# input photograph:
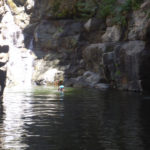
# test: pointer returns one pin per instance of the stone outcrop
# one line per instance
(122, 65)
(57, 35)
(112, 34)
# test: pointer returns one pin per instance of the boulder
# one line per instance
(138, 25)
(44, 73)
(112, 34)
(88, 79)
(102, 86)
(91, 78)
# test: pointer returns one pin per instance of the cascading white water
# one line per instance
(20, 65)
(28, 61)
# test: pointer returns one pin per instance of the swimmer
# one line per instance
(61, 88)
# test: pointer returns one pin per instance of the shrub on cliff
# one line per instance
(117, 11)
(74, 8)
(88, 8)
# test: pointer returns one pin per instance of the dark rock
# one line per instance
(92, 56)
(4, 49)
(57, 35)
(122, 65)
(145, 70)
(2, 81)
(94, 24)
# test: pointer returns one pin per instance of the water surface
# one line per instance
(41, 118)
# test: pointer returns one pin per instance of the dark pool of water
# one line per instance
(78, 119)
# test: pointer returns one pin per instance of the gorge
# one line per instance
(100, 49)
(41, 46)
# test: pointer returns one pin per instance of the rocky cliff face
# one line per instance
(19, 64)
(96, 53)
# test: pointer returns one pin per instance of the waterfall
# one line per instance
(29, 64)
(20, 64)
(31, 44)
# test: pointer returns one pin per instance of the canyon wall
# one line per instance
(91, 51)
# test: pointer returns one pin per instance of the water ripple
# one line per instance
(42, 118)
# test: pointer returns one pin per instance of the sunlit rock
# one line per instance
(30, 4)
(138, 25)
(87, 25)
(20, 63)
(44, 73)
(112, 34)
(102, 86)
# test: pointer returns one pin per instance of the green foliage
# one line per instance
(118, 73)
(58, 32)
(136, 4)
(73, 9)
(106, 8)
(85, 9)
(56, 6)
(73, 42)
(123, 10)
(62, 8)
(120, 20)
(148, 13)
(127, 6)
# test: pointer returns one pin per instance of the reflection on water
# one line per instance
(15, 108)
(78, 119)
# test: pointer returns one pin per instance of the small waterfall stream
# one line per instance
(20, 65)
(28, 62)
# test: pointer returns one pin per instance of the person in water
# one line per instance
(61, 86)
